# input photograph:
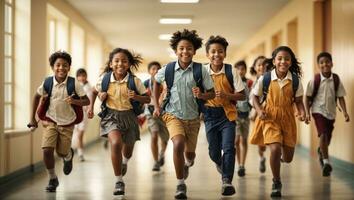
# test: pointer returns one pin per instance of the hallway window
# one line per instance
(8, 64)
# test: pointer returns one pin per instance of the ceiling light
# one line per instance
(175, 20)
(179, 1)
(165, 36)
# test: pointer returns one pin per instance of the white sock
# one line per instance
(326, 161)
(69, 156)
(51, 173)
(180, 181)
(188, 162)
(125, 160)
(119, 178)
(80, 152)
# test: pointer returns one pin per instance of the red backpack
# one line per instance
(317, 82)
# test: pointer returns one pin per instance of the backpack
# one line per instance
(266, 82)
(169, 78)
(70, 88)
(138, 107)
(317, 82)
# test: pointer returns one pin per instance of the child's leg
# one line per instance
(214, 141)
(275, 154)
(244, 147)
(115, 139)
(324, 143)
(228, 157)
(238, 148)
(178, 158)
(261, 150)
(48, 157)
(154, 145)
(287, 154)
(80, 146)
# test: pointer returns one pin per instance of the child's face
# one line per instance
(185, 51)
(216, 54)
(153, 70)
(241, 70)
(120, 64)
(61, 68)
(282, 61)
(260, 69)
(325, 65)
(82, 78)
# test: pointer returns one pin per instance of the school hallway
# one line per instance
(94, 179)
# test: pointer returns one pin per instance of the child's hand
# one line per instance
(262, 114)
(131, 94)
(301, 117)
(69, 99)
(196, 92)
(220, 94)
(157, 112)
(90, 113)
(32, 125)
(307, 119)
(346, 116)
(102, 96)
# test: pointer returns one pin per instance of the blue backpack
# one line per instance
(138, 107)
(266, 82)
(198, 78)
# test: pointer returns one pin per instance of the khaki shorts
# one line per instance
(188, 128)
(58, 137)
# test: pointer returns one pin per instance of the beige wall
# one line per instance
(2, 142)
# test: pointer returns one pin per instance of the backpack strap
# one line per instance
(266, 82)
(70, 86)
(105, 81)
(295, 83)
(198, 78)
(137, 105)
(336, 81)
(229, 76)
(169, 78)
(147, 84)
(48, 85)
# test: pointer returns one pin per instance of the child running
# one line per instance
(79, 130)
(243, 121)
(321, 96)
(275, 125)
(120, 90)
(187, 83)
(220, 113)
(62, 91)
(156, 125)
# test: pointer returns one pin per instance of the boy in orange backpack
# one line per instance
(60, 116)
(321, 97)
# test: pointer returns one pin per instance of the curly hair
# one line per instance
(134, 59)
(154, 63)
(188, 35)
(252, 68)
(295, 64)
(59, 54)
(218, 40)
(240, 63)
(324, 54)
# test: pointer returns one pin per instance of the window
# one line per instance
(8, 64)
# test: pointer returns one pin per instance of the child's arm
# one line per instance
(92, 103)
(344, 108)
(141, 98)
(300, 108)
(209, 94)
(237, 96)
(33, 122)
(260, 111)
(156, 97)
(307, 109)
(83, 101)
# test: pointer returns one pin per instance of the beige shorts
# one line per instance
(58, 137)
(188, 128)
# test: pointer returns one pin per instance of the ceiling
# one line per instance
(134, 24)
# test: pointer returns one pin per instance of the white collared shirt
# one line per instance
(324, 102)
(258, 88)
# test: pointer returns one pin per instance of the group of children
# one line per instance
(177, 94)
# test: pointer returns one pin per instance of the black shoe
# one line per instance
(262, 167)
(320, 156)
(181, 192)
(161, 161)
(119, 189)
(276, 189)
(52, 185)
(68, 165)
(227, 188)
(156, 167)
(124, 169)
(241, 171)
(326, 170)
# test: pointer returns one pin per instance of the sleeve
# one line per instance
(309, 89)
(238, 85)
(258, 87)
(160, 76)
(341, 91)
(40, 89)
(98, 85)
(207, 80)
(79, 89)
(300, 90)
(140, 86)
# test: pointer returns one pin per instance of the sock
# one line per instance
(80, 151)
(125, 160)
(119, 178)
(188, 163)
(180, 181)
(69, 156)
(51, 173)
(326, 161)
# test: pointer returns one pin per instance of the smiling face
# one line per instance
(325, 64)
(185, 52)
(259, 67)
(282, 62)
(120, 64)
(153, 70)
(216, 54)
(61, 69)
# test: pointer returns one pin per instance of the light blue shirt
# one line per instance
(183, 104)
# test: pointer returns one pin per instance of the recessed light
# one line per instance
(179, 1)
(165, 36)
(175, 20)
